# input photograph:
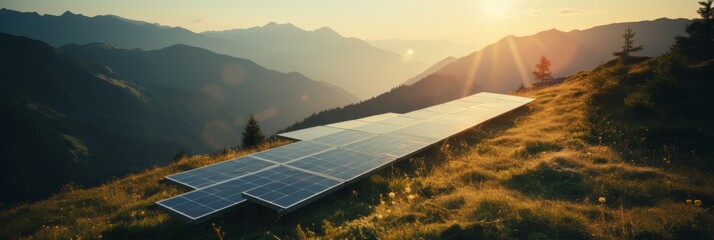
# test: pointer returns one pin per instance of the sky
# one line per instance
(473, 22)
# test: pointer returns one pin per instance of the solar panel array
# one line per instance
(327, 158)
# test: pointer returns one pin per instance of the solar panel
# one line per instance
(455, 120)
(348, 124)
(342, 138)
(504, 97)
(443, 108)
(501, 107)
(401, 121)
(460, 103)
(377, 128)
(327, 157)
(211, 174)
(431, 130)
(342, 163)
(421, 114)
(288, 188)
(211, 200)
(390, 146)
(379, 117)
(309, 133)
(292, 151)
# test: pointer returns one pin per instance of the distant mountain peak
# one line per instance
(69, 14)
(326, 30)
(274, 25)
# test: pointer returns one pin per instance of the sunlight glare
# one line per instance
(407, 55)
(496, 8)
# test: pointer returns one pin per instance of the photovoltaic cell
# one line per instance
(421, 114)
(342, 163)
(377, 128)
(431, 130)
(379, 117)
(443, 108)
(212, 174)
(392, 147)
(401, 121)
(455, 120)
(342, 138)
(292, 151)
(460, 103)
(288, 188)
(309, 133)
(348, 124)
(210, 200)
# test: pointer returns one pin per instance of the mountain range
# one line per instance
(505, 65)
(85, 113)
(322, 54)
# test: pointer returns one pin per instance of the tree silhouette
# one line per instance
(627, 47)
(252, 136)
(700, 42)
(542, 73)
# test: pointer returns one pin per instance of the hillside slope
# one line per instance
(532, 174)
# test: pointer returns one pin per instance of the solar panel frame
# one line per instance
(348, 124)
(431, 130)
(198, 178)
(456, 120)
(377, 128)
(342, 138)
(309, 133)
(282, 195)
(379, 117)
(460, 103)
(401, 121)
(443, 108)
(291, 152)
(388, 146)
(422, 114)
(192, 205)
(342, 163)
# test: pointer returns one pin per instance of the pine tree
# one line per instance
(542, 73)
(700, 42)
(627, 47)
(252, 135)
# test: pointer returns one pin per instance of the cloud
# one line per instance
(578, 11)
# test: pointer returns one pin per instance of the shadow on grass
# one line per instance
(550, 181)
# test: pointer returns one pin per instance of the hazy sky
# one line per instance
(474, 22)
